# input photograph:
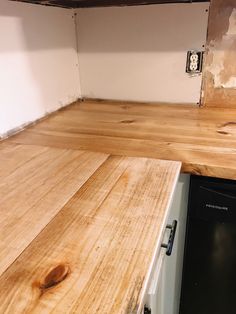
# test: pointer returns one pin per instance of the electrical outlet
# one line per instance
(194, 61)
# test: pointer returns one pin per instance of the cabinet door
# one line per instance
(155, 289)
(170, 284)
(163, 295)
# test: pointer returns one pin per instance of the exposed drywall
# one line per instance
(38, 62)
(219, 79)
(139, 53)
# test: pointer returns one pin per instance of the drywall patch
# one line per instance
(218, 24)
(221, 58)
(232, 24)
(219, 77)
(215, 67)
(231, 83)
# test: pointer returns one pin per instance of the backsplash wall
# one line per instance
(139, 53)
(38, 62)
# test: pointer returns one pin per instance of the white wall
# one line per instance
(38, 62)
(130, 53)
(139, 53)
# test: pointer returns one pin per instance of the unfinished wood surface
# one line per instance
(96, 255)
(203, 139)
(36, 182)
(219, 75)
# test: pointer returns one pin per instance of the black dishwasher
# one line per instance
(209, 269)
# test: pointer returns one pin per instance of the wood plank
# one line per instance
(96, 255)
(143, 129)
(203, 139)
(36, 183)
(21, 155)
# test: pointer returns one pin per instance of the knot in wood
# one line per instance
(55, 276)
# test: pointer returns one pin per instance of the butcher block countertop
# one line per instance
(82, 218)
(203, 139)
(79, 230)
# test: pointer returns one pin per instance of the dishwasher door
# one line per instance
(209, 271)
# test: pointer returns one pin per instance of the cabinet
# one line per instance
(163, 293)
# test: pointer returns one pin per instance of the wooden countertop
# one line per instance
(203, 139)
(80, 226)
(79, 229)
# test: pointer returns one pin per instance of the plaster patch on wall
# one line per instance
(232, 24)
(230, 84)
(224, 76)
(215, 67)
(219, 75)
(224, 73)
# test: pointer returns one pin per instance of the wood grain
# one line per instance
(79, 227)
(96, 254)
(203, 139)
(36, 182)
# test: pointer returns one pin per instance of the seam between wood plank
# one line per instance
(53, 216)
